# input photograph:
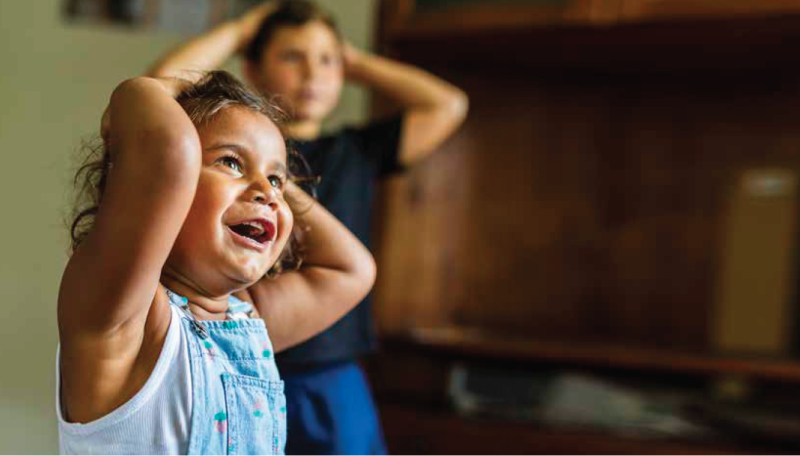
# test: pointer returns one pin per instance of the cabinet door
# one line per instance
(405, 18)
(647, 10)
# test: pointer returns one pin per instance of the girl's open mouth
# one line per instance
(255, 233)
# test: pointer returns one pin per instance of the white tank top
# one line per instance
(154, 421)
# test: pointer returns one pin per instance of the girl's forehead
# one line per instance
(313, 33)
(246, 129)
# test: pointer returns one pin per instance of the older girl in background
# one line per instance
(293, 51)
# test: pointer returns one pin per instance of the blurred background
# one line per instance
(602, 260)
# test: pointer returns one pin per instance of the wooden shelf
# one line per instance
(481, 17)
(632, 35)
(733, 44)
(641, 11)
(405, 19)
(480, 343)
(436, 432)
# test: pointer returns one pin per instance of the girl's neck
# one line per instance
(304, 130)
(203, 305)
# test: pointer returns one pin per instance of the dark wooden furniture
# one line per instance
(578, 217)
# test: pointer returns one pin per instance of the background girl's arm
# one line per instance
(434, 109)
(211, 50)
(337, 273)
(111, 321)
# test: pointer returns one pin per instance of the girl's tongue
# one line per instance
(261, 231)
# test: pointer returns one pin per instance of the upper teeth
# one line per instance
(255, 225)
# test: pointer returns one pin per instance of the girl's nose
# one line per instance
(264, 193)
(267, 198)
(309, 68)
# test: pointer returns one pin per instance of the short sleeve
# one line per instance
(380, 141)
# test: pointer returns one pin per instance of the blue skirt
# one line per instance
(330, 410)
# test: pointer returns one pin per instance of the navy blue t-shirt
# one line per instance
(350, 164)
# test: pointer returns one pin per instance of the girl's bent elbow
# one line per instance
(133, 85)
(459, 105)
(366, 273)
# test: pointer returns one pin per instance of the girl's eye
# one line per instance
(329, 60)
(276, 181)
(231, 162)
(291, 56)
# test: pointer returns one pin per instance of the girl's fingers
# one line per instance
(350, 55)
(251, 20)
(348, 52)
(174, 86)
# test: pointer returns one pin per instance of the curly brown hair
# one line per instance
(214, 92)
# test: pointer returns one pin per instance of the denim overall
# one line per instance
(238, 405)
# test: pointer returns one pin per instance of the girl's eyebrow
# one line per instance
(231, 146)
(278, 166)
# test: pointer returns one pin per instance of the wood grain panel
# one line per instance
(580, 206)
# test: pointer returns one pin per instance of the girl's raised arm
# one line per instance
(112, 277)
(212, 49)
(337, 273)
(433, 108)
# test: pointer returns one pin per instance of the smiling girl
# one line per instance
(180, 263)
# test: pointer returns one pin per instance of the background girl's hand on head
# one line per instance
(251, 21)
(299, 201)
(350, 56)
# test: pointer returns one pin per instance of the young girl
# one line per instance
(194, 204)
(292, 49)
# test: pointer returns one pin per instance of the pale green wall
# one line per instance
(54, 82)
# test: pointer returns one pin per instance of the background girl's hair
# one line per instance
(287, 13)
(202, 101)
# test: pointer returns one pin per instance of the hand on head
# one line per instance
(251, 21)
(173, 86)
(350, 55)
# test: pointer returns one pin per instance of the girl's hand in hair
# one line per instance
(173, 87)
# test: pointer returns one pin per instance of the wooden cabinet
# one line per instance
(661, 10)
(612, 35)
(579, 215)
(583, 200)
(441, 433)
(404, 19)
(581, 207)
(414, 18)
(413, 384)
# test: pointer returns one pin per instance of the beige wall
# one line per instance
(54, 82)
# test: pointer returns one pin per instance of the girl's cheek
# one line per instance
(280, 78)
(286, 222)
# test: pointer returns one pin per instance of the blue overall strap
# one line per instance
(238, 309)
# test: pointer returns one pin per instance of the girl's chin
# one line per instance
(250, 274)
(254, 276)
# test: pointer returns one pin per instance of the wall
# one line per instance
(54, 83)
